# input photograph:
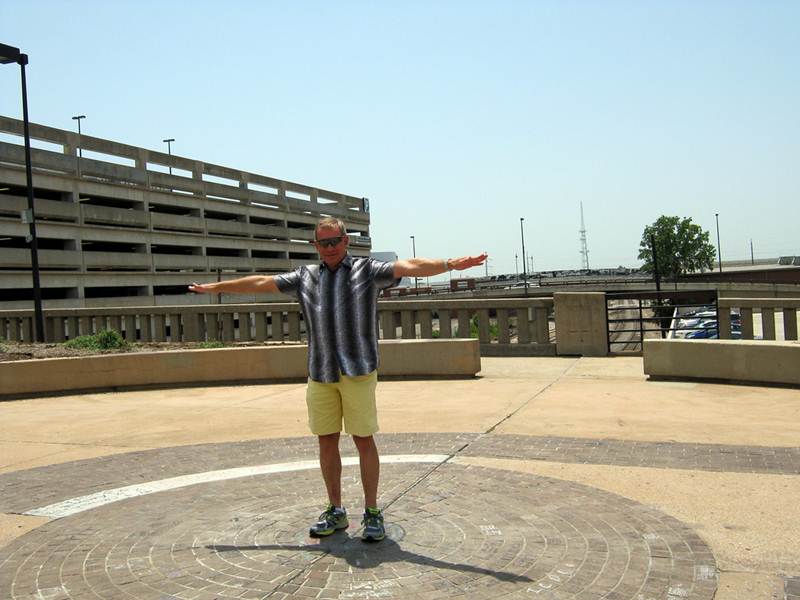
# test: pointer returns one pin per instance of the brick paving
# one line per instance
(454, 531)
(666, 455)
(23, 490)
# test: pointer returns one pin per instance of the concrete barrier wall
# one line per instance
(728, 360)
(582, 323)
(409, 358)
(522, 324)
(777, 317)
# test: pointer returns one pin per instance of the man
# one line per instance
(339, 302)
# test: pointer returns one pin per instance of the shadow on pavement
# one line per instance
(369, 555)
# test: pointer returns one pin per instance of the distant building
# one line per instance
(122, 225)
(389, 257)
(384, 256)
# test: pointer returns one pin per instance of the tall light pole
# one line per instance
(414, 255)
(78, 119)
(9, 54)
(516, 265)
(168, 142)
(719, 249)
(524, 268)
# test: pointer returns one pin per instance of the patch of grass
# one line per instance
(211, 344)
(108, 339)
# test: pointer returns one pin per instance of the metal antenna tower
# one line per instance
(584, 247)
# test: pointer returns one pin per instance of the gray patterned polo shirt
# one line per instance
(340, 309)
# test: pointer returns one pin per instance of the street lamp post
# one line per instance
(719, 249)
(524, 268)
(414, 255)
(10, 54)
(169, 151)
(516, 265)
(78, 119)
(80, 144)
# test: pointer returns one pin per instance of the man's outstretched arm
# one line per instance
(254, 284)
(425, 267)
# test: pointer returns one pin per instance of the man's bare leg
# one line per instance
(330, 463)
(369, 461)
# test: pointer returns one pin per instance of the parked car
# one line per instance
(701, 311)
(712, 333)
(706, 314)
(687, 326)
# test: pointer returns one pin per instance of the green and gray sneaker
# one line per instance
(331, 520)
(374, 531)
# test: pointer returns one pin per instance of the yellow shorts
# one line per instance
(351, 399)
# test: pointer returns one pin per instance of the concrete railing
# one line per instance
(503, 327)
(776, 314)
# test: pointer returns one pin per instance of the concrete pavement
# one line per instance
(721, 461)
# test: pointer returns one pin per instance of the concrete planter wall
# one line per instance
(745, 361)
(407, 358)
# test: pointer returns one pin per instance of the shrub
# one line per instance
(107, 339)
(211, 344)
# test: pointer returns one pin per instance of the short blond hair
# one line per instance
(330, 223)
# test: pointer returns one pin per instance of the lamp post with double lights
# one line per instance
(78, 119)
(8, 55)
(168, 142)
(80, 144)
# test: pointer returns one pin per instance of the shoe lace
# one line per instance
(329, 514)
(372, 519)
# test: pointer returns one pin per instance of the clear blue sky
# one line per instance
(454, 118)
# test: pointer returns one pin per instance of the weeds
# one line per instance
(211, 344)
(108, 339)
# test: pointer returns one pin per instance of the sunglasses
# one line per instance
(329, 242)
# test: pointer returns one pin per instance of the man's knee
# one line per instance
(329, 441)
(366, 442)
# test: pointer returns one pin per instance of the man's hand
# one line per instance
(466, 262)
(202, 288)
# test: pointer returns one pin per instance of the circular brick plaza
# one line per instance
(455, 530)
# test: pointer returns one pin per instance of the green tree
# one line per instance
(681, 247)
